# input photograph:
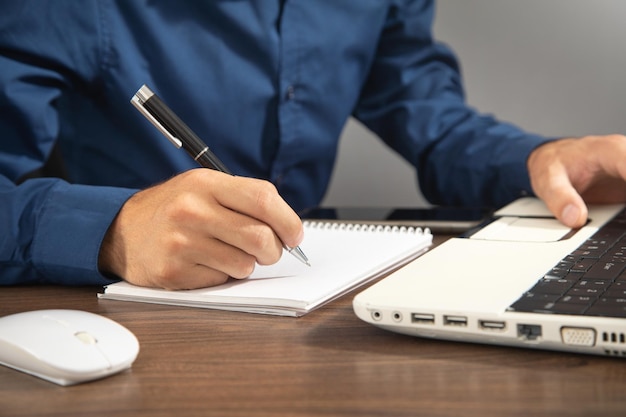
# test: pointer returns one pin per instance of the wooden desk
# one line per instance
(328, 363)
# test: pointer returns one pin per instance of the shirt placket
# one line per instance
(288, 80)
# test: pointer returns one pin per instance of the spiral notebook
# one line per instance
(343, 257)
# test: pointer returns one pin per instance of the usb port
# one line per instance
(423, 318)
(492, 325)
(454, 320)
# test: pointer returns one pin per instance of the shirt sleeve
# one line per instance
(414, 100)
(50, 230)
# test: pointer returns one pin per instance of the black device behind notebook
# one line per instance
(438, 219)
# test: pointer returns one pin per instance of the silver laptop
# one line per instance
(522, 280)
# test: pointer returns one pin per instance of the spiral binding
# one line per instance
(365, 227)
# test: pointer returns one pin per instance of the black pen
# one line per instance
(181, 136)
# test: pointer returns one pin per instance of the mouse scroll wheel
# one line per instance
(86, 338)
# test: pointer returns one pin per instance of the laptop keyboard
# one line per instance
(589, 281)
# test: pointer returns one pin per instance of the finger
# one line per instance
(222, 256)
(260, 200)
(551, 182)
(248, 235)
(563, 200)
(175, 273)
(565, 203)
(193, 277)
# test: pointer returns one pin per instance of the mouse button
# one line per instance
(77, 358)
(21, 360)
(30, 336)
(14, 356)
(49, 364)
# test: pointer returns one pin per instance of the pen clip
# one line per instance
(136, 101)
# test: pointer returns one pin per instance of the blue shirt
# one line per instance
(267, 84)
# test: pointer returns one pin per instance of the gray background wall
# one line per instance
(554, 67)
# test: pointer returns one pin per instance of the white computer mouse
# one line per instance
(66, 346)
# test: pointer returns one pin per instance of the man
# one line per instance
(268, 85)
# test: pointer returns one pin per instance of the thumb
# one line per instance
(551, 180)
(564, 202)
(573, 215)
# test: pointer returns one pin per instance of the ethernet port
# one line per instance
(528, 331)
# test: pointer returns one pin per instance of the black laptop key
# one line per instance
(607, 268)
(565, 306)
(618, 251)
(586, 300)
(591, 292)
(583, 265)
(617, 289)
(594, 248)
(615, 293)
(600, 284)
(558, 272)
(552, 286)
(609, 307)
(611, 232)
(530, 302)
(585, 252)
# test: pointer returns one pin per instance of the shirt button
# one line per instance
(291, 93)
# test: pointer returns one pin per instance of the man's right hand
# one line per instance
(197, 229)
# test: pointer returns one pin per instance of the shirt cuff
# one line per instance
(70, 230)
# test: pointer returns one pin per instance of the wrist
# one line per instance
(110, 260)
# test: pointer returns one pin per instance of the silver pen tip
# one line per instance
(297, 252)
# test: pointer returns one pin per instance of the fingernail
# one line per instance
(570, 215)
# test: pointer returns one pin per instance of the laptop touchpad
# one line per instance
(523, 229)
